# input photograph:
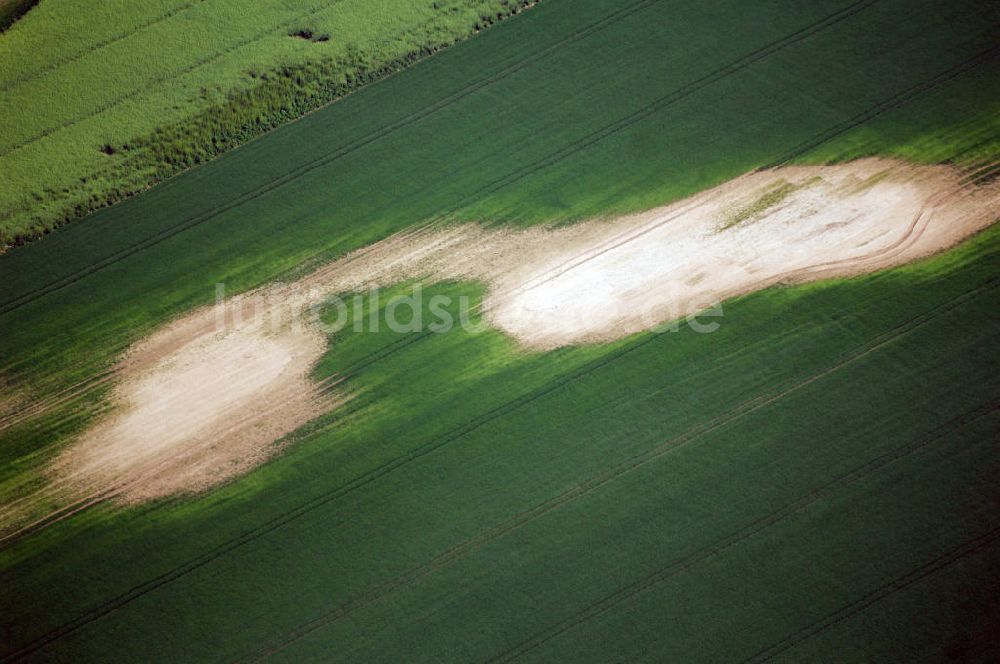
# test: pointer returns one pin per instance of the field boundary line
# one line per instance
(519, 174)
(301, 170)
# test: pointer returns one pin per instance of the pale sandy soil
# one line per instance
(197, 404)
(601, 280)
(204, 399)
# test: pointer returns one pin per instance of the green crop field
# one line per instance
(97, 102)
(815, 481)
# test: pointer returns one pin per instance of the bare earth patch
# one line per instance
(204, 399)
(605, 279)
(198, 403)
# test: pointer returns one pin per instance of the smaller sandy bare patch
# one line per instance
(198, 404)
